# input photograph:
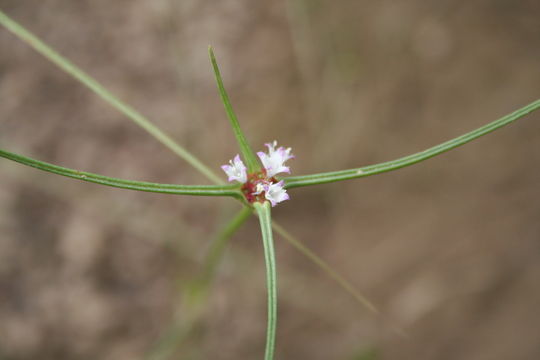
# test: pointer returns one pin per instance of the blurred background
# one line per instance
(448, 249)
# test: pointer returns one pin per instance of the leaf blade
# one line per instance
(247, 151)
(67, 66)
(333, 176)
(196, 292)
(197, 190)
(326, 268)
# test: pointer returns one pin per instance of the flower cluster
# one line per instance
(262, 185)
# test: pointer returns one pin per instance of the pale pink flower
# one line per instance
(236, 170)
(261, 186)
(274, 161)
(275, 193)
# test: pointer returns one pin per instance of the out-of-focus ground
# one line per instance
(449, 249)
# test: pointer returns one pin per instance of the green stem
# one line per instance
(199, 190)
(306, 180)
(263, 210)
(29, 38)
(247, 151)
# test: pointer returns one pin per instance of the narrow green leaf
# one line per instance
(263, 210)
(325, 267)
(247, 152)
(195, 294)
(306, 180)
(199, 190)
(112, 100)
(215, 253)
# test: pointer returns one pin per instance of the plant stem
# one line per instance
(263, 210)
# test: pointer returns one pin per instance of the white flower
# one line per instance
(236, 170)
(275, 193)
(274, 161)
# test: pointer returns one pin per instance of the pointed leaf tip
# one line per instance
(247, 152)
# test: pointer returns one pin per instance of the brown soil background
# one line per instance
(448, 249)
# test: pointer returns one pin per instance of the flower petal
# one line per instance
(275, 193)
(236, 171)
(274, 161)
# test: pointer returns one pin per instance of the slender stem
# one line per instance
(66, 65)
(306, 180)
(200, 190)
(263, 210)
(324, 266)
(247, 151)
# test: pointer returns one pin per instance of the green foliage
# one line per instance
(200, 190)
(248, 153)
(306, 180)
(106, 95)
(199, 287)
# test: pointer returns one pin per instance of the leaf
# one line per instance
(200, 285)
(199, 190)
(247, 152)
(265, 219)
(195, 293)
(325, 267)
(112, 100)
(322, 178)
